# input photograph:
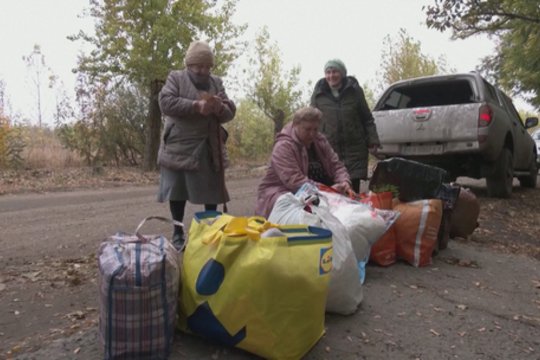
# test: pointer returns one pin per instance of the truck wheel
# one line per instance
(530, 180)
(499, 183)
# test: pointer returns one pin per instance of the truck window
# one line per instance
(510, 108)
(429, 94)
(492, 93)
(396, 100)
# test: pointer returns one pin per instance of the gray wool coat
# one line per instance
(192, 149)
(186, 132)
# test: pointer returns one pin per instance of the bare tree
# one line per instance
(63, 110)
(35, 62)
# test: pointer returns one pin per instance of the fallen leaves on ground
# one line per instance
(510, 225)
(460, 262)
(55, 272)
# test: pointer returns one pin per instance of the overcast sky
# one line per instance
(308, 33)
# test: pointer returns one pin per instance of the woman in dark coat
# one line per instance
(347, 121)
(191, 154)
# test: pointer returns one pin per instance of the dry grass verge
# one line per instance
(69, 179)
(64, 179)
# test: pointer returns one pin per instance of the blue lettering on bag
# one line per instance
(325, 261)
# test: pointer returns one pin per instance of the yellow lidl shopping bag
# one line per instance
(255, 285)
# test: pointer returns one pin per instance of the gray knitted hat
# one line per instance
(199, 52)
(336, 64)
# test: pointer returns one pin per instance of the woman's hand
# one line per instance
(218, 105)
(212, 105)
(202, 107)
(343, 187)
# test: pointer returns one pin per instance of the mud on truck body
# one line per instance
(460, 123)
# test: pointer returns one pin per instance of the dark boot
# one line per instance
(177, 213)
(179, 239)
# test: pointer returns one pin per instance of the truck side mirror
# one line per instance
(531, 122)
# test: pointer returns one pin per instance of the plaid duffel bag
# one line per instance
(139, 278)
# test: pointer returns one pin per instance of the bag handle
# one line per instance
(161, 218)
(251, 227)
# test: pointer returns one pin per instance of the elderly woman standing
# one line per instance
(191, 154)
(347, 121)
(300, 154)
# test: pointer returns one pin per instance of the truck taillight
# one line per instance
(485, 116)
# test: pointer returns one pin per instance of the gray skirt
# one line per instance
(203, 186)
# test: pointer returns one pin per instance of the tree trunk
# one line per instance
(279, 120)
(153, 128)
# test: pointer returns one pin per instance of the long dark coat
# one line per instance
(347, 123)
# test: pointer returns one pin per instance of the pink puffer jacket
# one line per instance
(288, 168)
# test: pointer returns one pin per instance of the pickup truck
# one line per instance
(460, 123)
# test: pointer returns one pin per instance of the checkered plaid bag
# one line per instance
(139, 278)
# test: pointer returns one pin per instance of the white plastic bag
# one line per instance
(345, 288)
(289, 210)
(364, 223)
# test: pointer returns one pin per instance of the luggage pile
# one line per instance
(243, 282)
(431, 211)
(355, 226)
(264, 285)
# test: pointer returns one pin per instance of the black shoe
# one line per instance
(179, 241)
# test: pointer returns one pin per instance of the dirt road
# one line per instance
(477, 301)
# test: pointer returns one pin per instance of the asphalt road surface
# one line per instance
(471, 303)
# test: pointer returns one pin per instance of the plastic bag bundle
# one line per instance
(417, 229)
(289, 209)
(364, 223)
(345, 290)
(465, 214)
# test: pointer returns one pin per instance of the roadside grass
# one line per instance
(49, 166)
(43, 150)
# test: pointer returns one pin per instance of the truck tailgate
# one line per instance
(428, 130)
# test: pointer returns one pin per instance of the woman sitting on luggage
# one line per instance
(301, 154)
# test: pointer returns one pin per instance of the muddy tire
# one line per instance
(499, 183)
(530, 180)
